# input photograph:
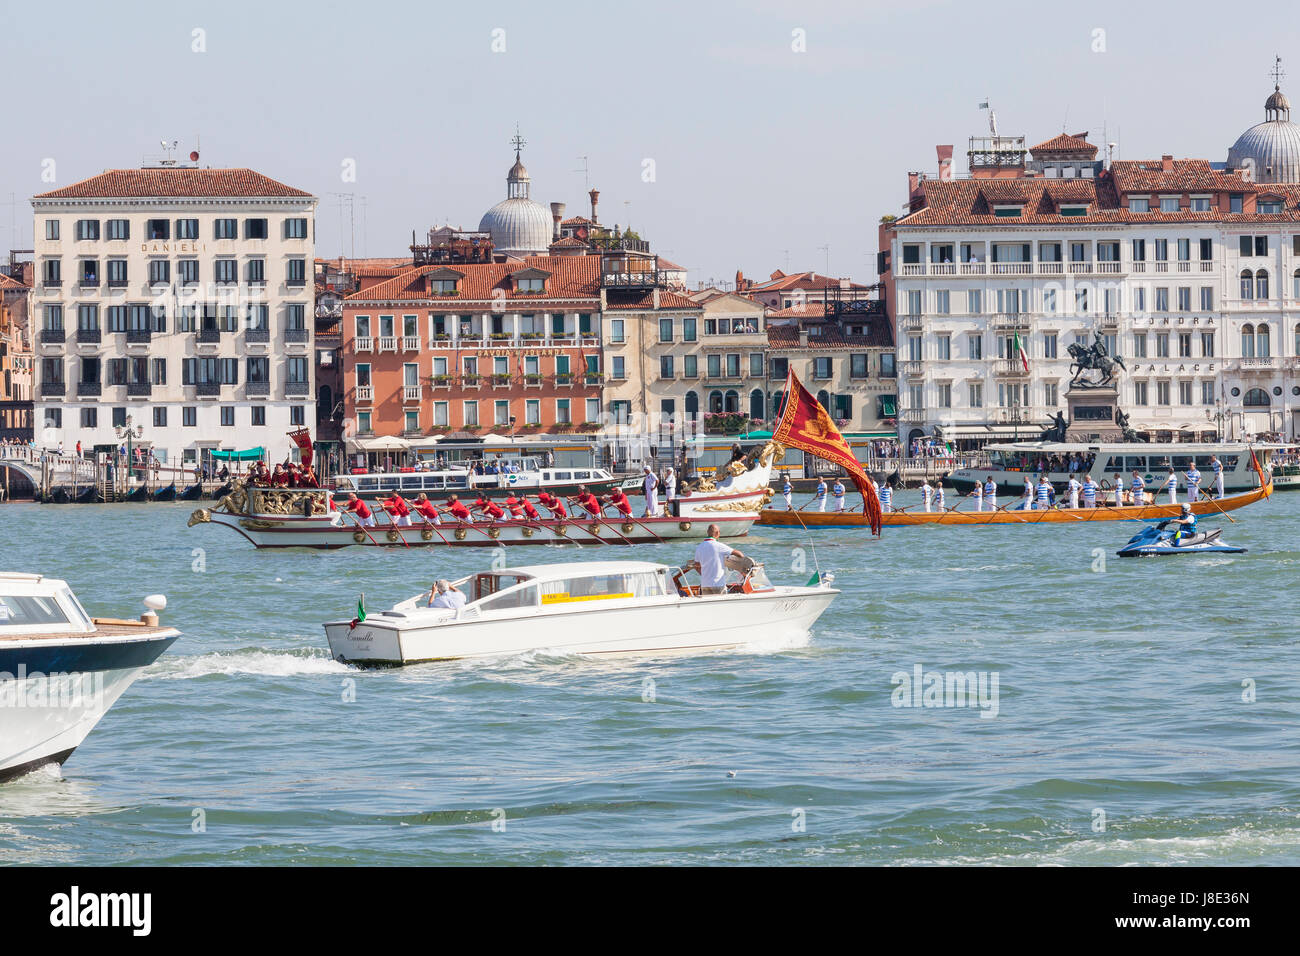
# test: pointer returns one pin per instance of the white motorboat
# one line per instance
(61, 670)
(606, 607)
(526, 475)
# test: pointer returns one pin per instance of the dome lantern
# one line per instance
(519, 226)
(1269, 152)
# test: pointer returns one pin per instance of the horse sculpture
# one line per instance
(1095, 359)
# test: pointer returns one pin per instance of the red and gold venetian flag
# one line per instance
(809, 427)
(302, 438)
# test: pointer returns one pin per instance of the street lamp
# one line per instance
(130, 434)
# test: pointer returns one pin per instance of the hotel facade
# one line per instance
(178, 299)
(1187, 270)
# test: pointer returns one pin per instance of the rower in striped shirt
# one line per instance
(1043, 493)
(886, 495)
(1089, 492)
(1137, 488)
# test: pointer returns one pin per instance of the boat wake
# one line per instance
(252, 660)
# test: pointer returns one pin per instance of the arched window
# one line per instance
(1247, 284)
(756, 404)
(778, 398)
(324, 403)
(1261, 284)
(731, 402)
(1247, 341)
(692, 403)
(1261, 340)
(824, 399)
(1295, 285)
(1256, 398)
(715, 402)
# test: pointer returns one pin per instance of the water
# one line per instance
(1120, 693)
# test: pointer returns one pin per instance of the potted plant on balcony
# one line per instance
(533, 378)
(500, 336)
(440, 379)
(500, 378)
(469, 379)
(533, 336)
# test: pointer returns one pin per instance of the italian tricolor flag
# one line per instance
(1020, 352)
(361, 612)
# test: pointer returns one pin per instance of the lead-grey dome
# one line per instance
(1271, 149)
(519, 226)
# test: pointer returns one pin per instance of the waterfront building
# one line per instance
(470, 349)
(180, 298)
(1187, 269)
(16, 360)
(794, 291)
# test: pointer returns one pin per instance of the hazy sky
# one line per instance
(759, 152)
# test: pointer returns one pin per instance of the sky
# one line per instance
(754, 136)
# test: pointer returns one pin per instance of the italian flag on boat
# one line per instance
(1020, 352)
(361, 612)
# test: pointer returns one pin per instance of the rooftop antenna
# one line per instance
(169, 149)
(586, 173)
(827, 249)
(787, 259)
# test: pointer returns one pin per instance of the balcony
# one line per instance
(297, 336)
(1080, 268)
(88, 336)
(973, 268)
(913, 416)
(911, 323)
(440, 381)
(410, 343)
(1010, 320)
(912, 269)
(1248, 365)
(1051, 268)
(563, 380)
(1010, 368)
(469, 381)
(1108, 267)
(52, 336)
(411, 393)
(295, 282)
(89, 389)
(634, 280)
(1011, 268)
(138, 336)
(913, 369)
(88, 282)
(52, 283)
(54, 389)
(118, 283)
(533, 380)
(138, 389)
(297, 389)
(208, 389)
(364, 344)
(257, 389)
(440, 340)
(365, 393)
(208, 336)
(257, 336)
(943, 269)
(388, 343)
(501, 381)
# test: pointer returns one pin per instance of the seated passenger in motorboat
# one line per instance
(445, 594)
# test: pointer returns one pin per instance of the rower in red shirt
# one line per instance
(456, 508)
(514, 505)
(619, 501)
(360, 509)
(489, 508)
(398, 509)
(553, 504)
(530, 511)
(589, 501)
(426, 509)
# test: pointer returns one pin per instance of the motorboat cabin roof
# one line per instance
(34, 605)
(1130, 448)
(582, 568)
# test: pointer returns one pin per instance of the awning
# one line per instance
(888, 405)
(248, 454)
(760, 434)
(383, 443)
(849, 436)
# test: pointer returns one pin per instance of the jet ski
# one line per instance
(1156, 539)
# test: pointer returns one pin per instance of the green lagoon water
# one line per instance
(1121, 735)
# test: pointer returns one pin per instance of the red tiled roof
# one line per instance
(572, 277)
(7, 283)
(667, 265)
(798, 280)
(667, 300)
(971, 201)
(577, 221)
(1065, 143)
(808, 310)
(175, 182)
(1187, 175)
(879, 335)
(568, 242)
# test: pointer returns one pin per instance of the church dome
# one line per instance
(519, 226)
(1271, 149)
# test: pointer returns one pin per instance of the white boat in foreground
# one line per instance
(606, 607)
(61, 670)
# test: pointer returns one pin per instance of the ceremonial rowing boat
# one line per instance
(308, 518)
(1004, 515)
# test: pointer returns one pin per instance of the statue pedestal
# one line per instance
(1092, 414)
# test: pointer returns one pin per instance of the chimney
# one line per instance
(557, 214)
(913, 184)
(740, 280)
(803, 338)
(945, 162)
(595, 197)
(1167, 163)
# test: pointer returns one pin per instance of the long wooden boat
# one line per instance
(1004, 515)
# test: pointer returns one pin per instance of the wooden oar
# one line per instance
(948, 511)
(362, 527)
(392, 525)
(1220, 510)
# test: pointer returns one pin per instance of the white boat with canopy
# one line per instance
(606, 607)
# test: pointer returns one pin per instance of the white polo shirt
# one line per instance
(712, 556)
(451, 599)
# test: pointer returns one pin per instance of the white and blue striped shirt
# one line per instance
(886, 494)
(1044, 492)
(1089, 490)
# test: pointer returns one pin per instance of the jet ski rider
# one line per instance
(1185, 522)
